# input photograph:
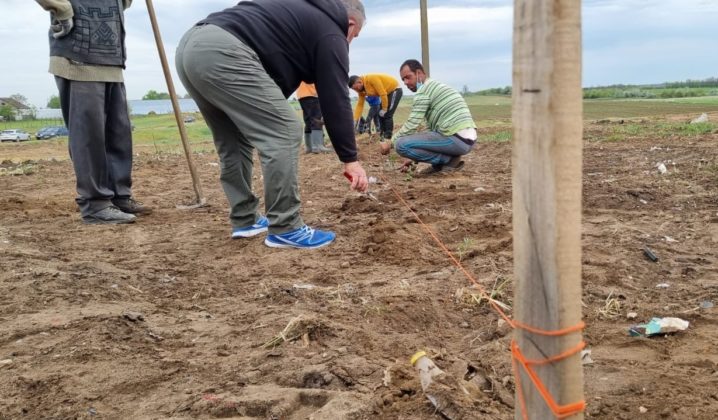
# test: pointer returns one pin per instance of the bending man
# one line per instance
(387, 89)
(240, 65)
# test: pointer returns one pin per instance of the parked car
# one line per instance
(50, 132)
(14, 135)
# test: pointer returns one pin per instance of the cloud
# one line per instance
(624, 41)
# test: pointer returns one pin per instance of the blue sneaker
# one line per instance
(258, 227)
(304, 237)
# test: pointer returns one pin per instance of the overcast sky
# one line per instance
(624, 41)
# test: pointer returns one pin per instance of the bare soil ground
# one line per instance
(168, 318)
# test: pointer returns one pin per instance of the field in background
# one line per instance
(159, 134)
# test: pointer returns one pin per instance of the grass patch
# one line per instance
(657, 130)
(497, 137)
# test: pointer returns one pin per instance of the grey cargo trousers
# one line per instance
(245, 109)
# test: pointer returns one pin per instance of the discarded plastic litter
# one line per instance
(428, 374)
(706, 304)
(662, 168)
(658, 326)
(427, 371)
(650, 254)
(663, 286)
(703, 118)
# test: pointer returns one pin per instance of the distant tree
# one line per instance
(53, 102)
(187, 96)
(154, 95)
(20, 98)
(7, 113)
(465, 90)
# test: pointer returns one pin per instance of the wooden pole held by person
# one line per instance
(547, 171)
(425, 37)
(175, 105)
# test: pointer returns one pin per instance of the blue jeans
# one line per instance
(431, 147)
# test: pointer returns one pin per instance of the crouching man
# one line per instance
(451, 129)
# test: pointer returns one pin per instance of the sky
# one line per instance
(624, 42)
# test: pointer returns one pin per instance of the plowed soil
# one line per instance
(169, 318)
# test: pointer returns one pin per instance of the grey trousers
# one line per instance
(245, 109)
(97, 118)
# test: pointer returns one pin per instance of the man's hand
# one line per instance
(61, 28)
(356, 175)
(382, 113)
(385, 147)
(406, 166)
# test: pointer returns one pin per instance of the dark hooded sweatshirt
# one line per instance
(301, 40)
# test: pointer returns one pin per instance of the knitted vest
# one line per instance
(98, 36)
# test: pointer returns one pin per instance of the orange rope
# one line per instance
(561, 411)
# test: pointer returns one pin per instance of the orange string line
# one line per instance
(561, 411)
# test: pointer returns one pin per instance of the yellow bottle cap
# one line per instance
(417, 356)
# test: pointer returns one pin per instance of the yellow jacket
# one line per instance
(305, 90)
(375, 84)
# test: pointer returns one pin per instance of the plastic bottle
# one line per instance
(447, 394)
(426, 368)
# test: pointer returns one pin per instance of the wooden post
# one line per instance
(425, 37)
(547, 172)
(200, 201)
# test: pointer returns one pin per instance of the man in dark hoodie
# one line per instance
(240, 65)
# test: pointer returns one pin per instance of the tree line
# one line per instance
(685, 89)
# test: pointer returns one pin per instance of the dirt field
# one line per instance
(168, 318)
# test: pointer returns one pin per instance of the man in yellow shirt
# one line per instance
(385, 87)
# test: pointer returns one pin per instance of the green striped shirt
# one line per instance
(443, 109)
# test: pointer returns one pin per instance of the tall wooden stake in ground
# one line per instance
(425, 37)
(175, 105)
(547, 170)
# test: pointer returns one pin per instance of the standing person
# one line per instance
(313, 120)
(87, 57)
(387, 89)
(240, 65)
(451, 129)
(372, 116)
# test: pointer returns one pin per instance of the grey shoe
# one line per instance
(132, 206)
(318, 142)
(109, 216)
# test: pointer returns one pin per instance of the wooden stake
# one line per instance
(424, 37)
(547, 171)
(200, 201)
